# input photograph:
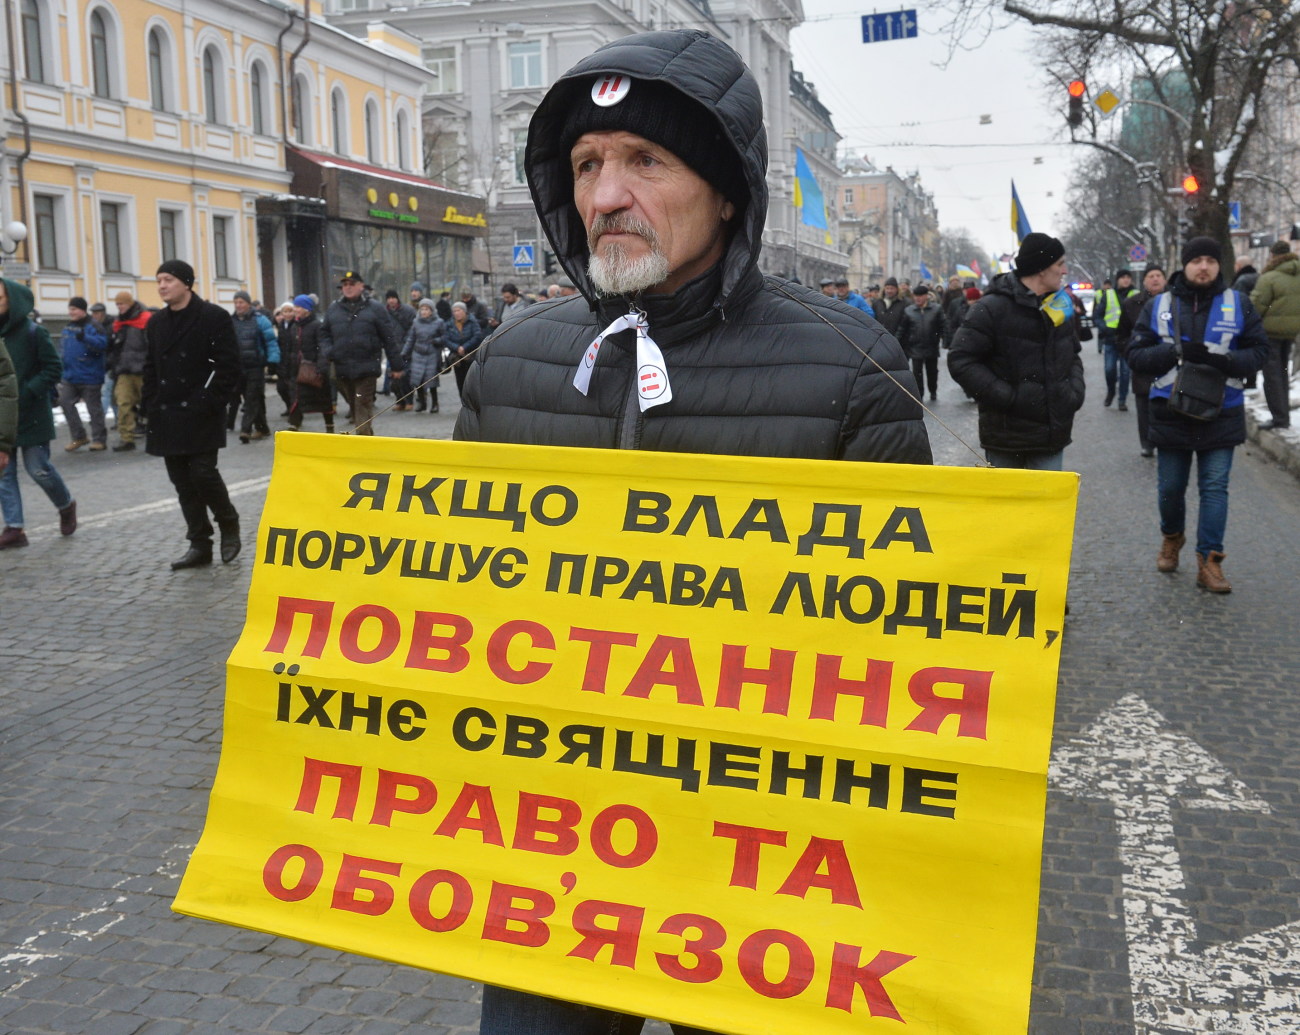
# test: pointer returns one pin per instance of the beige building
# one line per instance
(888, 224)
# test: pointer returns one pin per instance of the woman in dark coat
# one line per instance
(422, 352)
(302, 338)
(463, 336)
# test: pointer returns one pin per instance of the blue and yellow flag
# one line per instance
(925, 272)
(1019, 221)
(1059, 307)
(808, 193)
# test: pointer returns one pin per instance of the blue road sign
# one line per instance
(896, 25)
(523, 256)
(1137, 253)
(1234, 215)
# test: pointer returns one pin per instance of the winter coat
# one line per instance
(1129, 312)
(1277, 297)
(954, 313)
(758, 366)
(82, 346)
(128, 347)
(890, 314)
(8, 402)
(1150, 356)
(355, 335)
(1023, 371)
(404, 315)
(477, 311)
(1247, 278)
(921, 331)
(302, 342)
(258, 344)
(190, 372)
(468, 337)
(422, 351)
(36, 364)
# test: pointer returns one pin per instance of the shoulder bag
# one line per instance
(1198, 388)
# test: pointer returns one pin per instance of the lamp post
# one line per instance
(15, 233)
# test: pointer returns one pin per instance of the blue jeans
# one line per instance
(1116, 367)
(508, 1012)
(37, 461)
(1173, 470)
(1027, 461)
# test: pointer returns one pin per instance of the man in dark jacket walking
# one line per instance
(654, 204)
(890, 306)
(1276, 295)
(920, 332)
(258, 346)
(355, 334)
(1106, 312)
(1153, 283)
(1197, 321)
(127, 350)
(1017, 356)
(191, 369)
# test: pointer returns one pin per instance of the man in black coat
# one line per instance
(355, 334)
(191, 368)
(647, 164)
(1017, 356)
(920, 332)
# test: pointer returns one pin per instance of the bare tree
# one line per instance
(959, 246)
(1207, 65)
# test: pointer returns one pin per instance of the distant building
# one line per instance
(888, 224)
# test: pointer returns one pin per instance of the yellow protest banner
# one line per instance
(753, 745)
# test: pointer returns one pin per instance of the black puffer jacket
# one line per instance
(921, 331)
(354, 335)
(1024, 371)
(758, 367)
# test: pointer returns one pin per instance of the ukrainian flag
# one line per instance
(1019, 221)
(808, 194)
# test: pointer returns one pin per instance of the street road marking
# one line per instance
(157, 507)
(1131, 758)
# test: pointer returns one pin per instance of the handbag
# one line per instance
(309, 374)
(1198, 388)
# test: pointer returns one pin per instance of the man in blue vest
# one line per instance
(1197, 320)
(1105, 317)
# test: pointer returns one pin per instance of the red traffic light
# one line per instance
(1190, 184)
(1077, 88)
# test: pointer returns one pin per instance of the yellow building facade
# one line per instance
(142, 130)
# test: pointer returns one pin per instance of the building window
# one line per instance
(301, 131)
(257, 96)
(100, 82)
(157, 63)
(372, 133)
(518, 141)
(33, 41)
(221, 246)
(211, 85)
(441, 61)
(403, 140)
(169, 234)
(525, 64)
(110, 227)
(442, 154)
(338, 124)
(46, 210)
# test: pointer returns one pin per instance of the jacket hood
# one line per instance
(21, 303)
(705, 71)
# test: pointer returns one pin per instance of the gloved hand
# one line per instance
(1195, 352)
(1218, 360)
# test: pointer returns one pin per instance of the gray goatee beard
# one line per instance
(615, 273)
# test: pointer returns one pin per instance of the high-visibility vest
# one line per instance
(1222, 332)
(1111, 317)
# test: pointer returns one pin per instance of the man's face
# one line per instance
(122, 308)
(1124, 282)
(1154, 282)
(1202, 270)
(652, 221)
(891, 291)
(416, 296)
(351, 289)
(1054, 274)
(242, 308)
(920, 300)
(299, 313)
(170, 289)
(392, 304)
(76, 314)
(509, 297)
(842, 290)
(872, 293)
(828, 290)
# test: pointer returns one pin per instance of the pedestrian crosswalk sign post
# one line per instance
(523, 256)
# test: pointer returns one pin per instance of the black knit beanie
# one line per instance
(1199, 246)
(664, 115)
(182, 271)
(1037, 252)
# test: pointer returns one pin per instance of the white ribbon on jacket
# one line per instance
(652, 387)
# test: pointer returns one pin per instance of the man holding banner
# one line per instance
(647, 164)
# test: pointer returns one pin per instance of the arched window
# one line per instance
(212, 85)
(372, 132)
(338, 121)
(33, 41)
(301, 106)
(257, 97)
(158, 54)
(403, 140)
(99, 74)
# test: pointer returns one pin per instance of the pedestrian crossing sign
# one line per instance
(523, 256)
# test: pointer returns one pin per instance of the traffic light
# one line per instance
(1077, 88)
(1191, 185)
(548, 261)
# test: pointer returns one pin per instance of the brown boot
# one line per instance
(1168, 559)
(1209, 575)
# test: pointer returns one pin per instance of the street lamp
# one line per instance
(15, 233)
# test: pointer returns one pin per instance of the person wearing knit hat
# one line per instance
(305, 302)
(1153, 283)
(191, 370)
(890, 306)
(83, 346)
(1197, 328)
(1017, 356)
(647, 166)
(259, 348)
(1106, 312)
(1276, 295)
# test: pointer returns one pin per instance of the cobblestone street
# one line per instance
(111, 691)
